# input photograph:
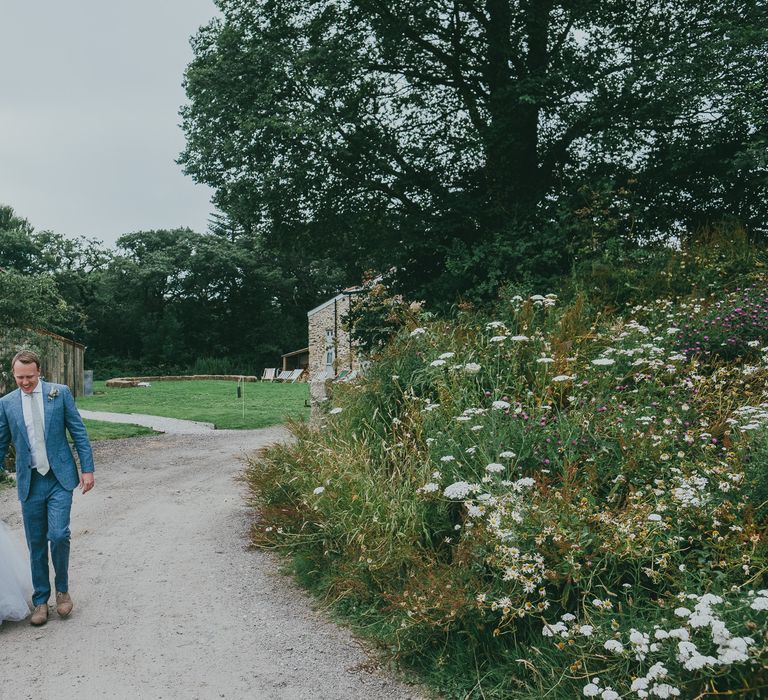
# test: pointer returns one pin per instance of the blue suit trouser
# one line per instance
(46, 519)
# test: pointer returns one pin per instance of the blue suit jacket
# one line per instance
(60, 413)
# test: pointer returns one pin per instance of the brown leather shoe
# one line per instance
(64, 604)
(39, 615)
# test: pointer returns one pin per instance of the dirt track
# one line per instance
(169, 601)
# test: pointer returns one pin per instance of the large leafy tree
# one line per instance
(18, 249)
(67, 266)
(467, 141)
(29, 295)
(29, 301)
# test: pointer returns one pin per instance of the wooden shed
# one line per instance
(62, 360)
(298, 359)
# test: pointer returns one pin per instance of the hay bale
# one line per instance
(121, 383)
(128, 382)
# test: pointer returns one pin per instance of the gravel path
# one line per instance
(170, 602)
(172, 426)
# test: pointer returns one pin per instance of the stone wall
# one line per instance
(326, 333)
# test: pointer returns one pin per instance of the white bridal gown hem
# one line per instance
(15, 578)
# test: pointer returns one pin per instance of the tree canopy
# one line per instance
(186, 295)
(162, 299)
(29, 301)
(28, 296)
(467, 142)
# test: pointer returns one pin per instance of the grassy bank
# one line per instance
(101, 430)
(262, 403)
(548, 502)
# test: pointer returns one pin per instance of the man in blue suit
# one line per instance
(35, 417)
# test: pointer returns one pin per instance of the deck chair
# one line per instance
(295, 375)
(283, 376)
(341, 376)
(269, 374)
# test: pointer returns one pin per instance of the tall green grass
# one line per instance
(501, 497)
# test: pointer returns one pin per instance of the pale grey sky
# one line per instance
(89, 97)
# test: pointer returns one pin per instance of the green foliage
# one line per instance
(499, 498)
(164, 299)
(222, 365)
(756, 476)
(109, 367)
(376, 316)
(618, 273)
(469, 144)
(169, 298)
(59, 273)
(29, 301)
(17, 250)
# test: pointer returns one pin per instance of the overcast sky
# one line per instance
(89, 97)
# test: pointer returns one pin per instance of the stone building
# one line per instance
(331, 351)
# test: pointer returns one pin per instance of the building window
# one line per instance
(330, 353)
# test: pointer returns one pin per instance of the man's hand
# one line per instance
(86, 482)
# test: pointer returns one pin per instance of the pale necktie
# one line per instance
(41, 455)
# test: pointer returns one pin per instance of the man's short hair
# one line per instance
(26, 357)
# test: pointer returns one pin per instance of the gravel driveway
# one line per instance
(170, 602)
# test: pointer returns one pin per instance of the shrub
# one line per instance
(110, 366)
(619, 274)
(376, 316)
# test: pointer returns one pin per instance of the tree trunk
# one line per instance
(513, 172)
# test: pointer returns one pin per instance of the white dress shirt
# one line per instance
(26, 406)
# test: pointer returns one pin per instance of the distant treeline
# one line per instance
(160, 302)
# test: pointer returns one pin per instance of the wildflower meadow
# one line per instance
(550, 501)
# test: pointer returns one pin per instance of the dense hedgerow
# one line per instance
(548, 502)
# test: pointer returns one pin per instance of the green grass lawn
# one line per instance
(211, 401)
(101, 430)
